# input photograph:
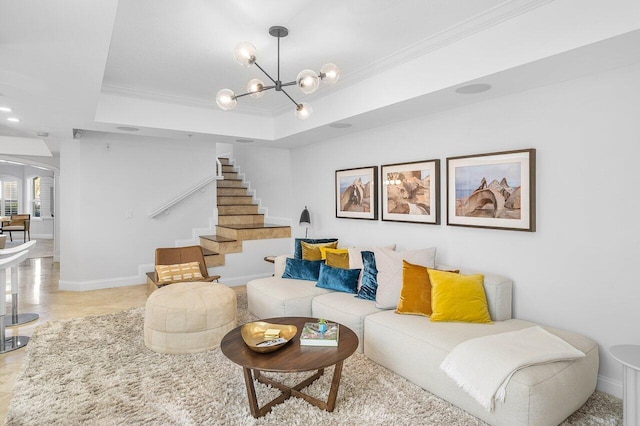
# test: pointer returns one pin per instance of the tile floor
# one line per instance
(39, 294)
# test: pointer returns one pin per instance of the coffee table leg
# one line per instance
(251, 392)
(335, 384)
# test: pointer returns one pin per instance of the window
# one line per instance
(9, 202)
(36, 204)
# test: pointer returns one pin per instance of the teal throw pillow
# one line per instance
(300, 269)
(369, 285)
(297, 252)
(338, 279)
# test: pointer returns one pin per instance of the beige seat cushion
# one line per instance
(189, 317)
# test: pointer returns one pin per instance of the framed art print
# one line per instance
(356, 193)
(411, 192)
(495, 190)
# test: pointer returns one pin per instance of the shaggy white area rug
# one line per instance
(97, 371)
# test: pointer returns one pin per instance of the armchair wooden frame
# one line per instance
(177, 255)
(18, 222)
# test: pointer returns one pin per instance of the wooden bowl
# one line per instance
(253, 333)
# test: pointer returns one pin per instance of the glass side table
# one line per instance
(629, 357)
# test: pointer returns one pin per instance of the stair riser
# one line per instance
(223, 192)
(234, 200)
(214, 260)
(253, 234)
(245, 219)
(229, 183)
(224, 161)
(244, 209)
(228, 168)
(223, 248)
(230, 175)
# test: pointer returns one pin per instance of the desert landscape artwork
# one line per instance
(489, 191)
(494, 190)
(410, 192)
(356, 193)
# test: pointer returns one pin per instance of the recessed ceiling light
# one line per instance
(472, 89)
(127, 129)
(5, 109)
(340, 125)
(245, 140)
(13, 119)
(42, 134)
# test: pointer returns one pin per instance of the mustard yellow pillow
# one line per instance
(456, 297)
(415, 295)
(337, 258)
(180, 272)
(324, 250)
(312, 251)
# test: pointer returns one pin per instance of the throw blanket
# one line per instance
(483, 366)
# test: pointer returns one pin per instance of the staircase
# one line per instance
(238, 220)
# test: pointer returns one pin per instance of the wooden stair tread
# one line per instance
(253, 226)
(242, 214)
(207, 252)
(217, 238)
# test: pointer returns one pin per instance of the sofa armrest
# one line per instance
(279, 264)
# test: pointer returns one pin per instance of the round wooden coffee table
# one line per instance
(291, 358)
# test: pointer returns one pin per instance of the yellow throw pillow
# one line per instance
(456, 297)
(415, 295)
(181, 272)
(336, 258)
(324, 250)
(312, 251)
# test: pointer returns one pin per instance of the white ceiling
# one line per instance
(157, 64)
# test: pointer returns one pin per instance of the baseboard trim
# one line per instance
(607, 385)
(42, 236)
(100, 284)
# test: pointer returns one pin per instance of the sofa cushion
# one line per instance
(456, 297)
(338, 279)
(277, 297)
(368, 277)
(312, 251)
(297, 247)
(345, 309)
(389, 265)
(301, 269)
(538, 395)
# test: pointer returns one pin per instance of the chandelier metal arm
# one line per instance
(265, 73)
(296, 104)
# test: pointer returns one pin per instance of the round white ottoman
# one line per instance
(189, 317)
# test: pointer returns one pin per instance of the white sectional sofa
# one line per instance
(414, 347)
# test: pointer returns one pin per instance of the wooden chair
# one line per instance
(18, 222)
(174, 256)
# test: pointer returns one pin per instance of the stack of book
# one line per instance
(312, 336)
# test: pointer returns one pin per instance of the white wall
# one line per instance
(108, 185)
(578, 270)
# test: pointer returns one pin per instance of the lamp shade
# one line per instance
(305, 219)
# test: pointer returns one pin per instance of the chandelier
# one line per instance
(308, 81)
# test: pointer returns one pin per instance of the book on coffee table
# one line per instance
(311, 335)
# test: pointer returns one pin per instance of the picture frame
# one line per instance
(410, 192)
(495, 190)
(357, 193)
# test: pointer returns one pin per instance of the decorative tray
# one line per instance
(253, 335)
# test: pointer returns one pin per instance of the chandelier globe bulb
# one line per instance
(245, 54)
(255, 88)
(303, 111)
(226, 99)
(330, 73)
(308, 81)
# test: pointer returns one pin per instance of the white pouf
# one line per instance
(189, 317)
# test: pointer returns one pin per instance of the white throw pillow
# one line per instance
(355, 258)
(389, 265)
